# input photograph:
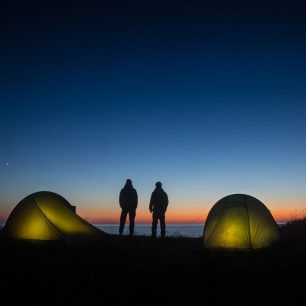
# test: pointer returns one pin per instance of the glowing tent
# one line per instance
(240, 221)
(46, 215)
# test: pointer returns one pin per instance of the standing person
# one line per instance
(128, 200)
(158, 205)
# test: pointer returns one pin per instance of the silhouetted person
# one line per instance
(128, 200)
(158, 205)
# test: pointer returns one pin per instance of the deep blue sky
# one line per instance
(208, 98)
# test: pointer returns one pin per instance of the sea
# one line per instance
(172, 230)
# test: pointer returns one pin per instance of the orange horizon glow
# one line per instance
(185, 217)
(196, 212)
(174, 215)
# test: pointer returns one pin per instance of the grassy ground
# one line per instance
(142, 271)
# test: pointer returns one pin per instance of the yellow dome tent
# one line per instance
(46, 215)
(239, 221)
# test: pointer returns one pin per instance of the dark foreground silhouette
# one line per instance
(144, 271)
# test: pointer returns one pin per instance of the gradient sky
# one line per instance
(210, 99)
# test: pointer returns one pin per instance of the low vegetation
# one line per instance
(294, 232)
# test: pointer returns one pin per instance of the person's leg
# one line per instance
(162, 225)
(154, 224)
(132, 215)
(122, 221)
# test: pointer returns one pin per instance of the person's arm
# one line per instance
(121, 198)
(151, 203)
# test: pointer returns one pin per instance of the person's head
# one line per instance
(128, 183)
(158, 184)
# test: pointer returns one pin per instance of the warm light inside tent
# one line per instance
(46, 216)
(240, 222)
(64, 219)
(234, 235)
(35, 229)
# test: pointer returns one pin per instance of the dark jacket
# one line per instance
(128, 198)
(159, 201)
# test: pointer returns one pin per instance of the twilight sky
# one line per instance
(208, 98)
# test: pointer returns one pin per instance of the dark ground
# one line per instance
(142, 271)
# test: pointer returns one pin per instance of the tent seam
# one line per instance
(48, 221)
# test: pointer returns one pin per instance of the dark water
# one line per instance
(174, 230)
